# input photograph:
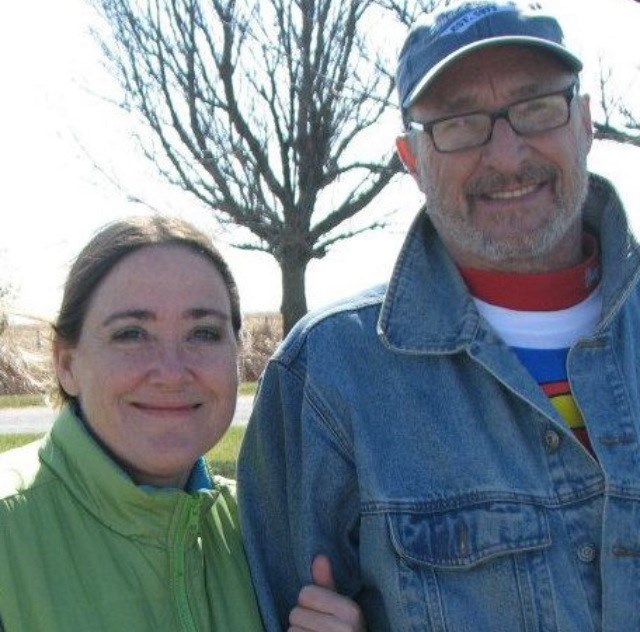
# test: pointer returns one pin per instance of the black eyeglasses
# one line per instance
(526, 117)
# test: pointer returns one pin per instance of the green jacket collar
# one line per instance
(104, 490)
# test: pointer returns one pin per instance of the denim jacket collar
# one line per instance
(620, 252)
(428, 309)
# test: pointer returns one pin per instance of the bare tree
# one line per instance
(263, 110)
(615, 108)
(7, 291)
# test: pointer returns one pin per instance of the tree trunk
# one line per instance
(294, 297)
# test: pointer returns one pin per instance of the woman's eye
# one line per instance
(205, 334)
(129, 334)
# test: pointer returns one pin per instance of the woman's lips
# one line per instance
(166, 408)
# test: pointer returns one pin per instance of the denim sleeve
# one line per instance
(297, 494)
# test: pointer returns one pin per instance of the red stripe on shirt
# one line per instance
(543, 292)
(556, 388)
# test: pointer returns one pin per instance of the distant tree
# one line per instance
(406, 11)
(616, 108)
(7, 290)
(4, 321)
(263, 110)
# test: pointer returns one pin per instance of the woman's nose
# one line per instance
(171, 365)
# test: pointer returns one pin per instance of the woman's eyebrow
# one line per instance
(138, 314)
(204, 312)
(146, 315)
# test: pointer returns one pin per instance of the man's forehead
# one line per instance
(515, 71)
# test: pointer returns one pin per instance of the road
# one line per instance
(39, 420)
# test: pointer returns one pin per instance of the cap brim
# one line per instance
(560, 52)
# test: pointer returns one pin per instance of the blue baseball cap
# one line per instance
(461, 28)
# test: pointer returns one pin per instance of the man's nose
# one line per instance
(506, 149)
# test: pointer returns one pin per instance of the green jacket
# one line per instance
(84, 548)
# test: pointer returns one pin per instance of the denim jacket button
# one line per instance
(587, 553)
(552, 440)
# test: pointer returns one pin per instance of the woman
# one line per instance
(112, 520)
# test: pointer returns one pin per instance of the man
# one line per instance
(463, 444)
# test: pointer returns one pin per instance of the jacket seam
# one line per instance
(466, 501)
(341, 442)
(293, 345)
(319, 406)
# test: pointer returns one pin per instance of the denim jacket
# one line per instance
(398, 434)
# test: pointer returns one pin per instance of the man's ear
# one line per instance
(64, 365)
(405, 151)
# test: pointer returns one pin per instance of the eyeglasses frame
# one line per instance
(569, 93)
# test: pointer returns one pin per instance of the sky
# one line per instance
(70, 164)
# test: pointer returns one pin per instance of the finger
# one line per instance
(322, 601)
(314, 597)
(322, 573)
(303, 619)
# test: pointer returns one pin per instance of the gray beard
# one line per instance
(452, 227)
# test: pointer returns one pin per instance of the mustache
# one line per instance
(495, 181)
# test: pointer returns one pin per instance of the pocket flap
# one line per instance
(466, 536)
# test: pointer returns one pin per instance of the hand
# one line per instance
(321, 609)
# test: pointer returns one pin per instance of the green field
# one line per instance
(222, 458)
(8, 441)
(21, 401)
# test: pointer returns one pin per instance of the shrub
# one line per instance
(261, 335)
(25, 359)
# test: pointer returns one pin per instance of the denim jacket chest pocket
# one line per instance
(453, 564)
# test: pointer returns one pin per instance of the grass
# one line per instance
(22, 401)
(248, 388)
(222, 458)
(10, 441)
